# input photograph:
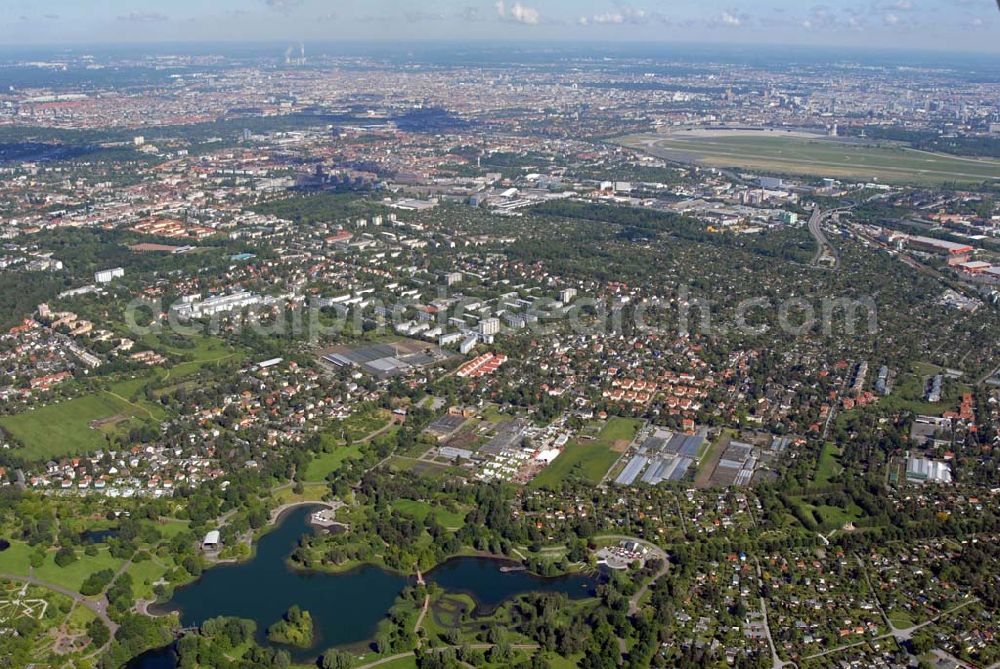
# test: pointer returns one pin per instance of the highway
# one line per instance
(823, 247)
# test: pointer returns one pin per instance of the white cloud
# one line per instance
(143, 17)
(622, 15)
(609, 17)
(283, 6)
(730, 19)
(524, 14)
(518, 13)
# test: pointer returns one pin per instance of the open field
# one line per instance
(144, 575)
(589, 458)
(84, 424)
(420, 510)
(312, 492)
(202, 351)
(73, 575)
(819, 157)
(831, 517)
(325, 463)
(66, 428)
(17, 560)
(909, 389)
(829, 465)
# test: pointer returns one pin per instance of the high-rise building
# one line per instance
(489, 326)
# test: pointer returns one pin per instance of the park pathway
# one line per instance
(98, 606)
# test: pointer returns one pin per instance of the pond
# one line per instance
(98, 536)
(346, 607)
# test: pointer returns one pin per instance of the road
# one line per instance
(776, 661)
(423, 610)
(475, 646)
(823, 247)
(833, 412)
(633, 602)
(276, 513)
(990, 375)
(901, 635)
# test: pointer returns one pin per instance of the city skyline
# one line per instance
(947, 25)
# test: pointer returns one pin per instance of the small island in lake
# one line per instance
(294, 629)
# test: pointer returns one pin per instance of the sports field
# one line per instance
(818, 157)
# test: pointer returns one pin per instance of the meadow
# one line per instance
(420, 510)
(325, 463)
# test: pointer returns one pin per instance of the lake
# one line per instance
(346, 607)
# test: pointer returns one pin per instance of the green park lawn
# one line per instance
(73, 575)
(205, 350)
(829, 465)
(16, 559)
(172, 527)
(325, 463)
(420, 510)
(908, 393)
(144, 575)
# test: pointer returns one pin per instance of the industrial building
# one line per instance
(955, 253)
(386, 360)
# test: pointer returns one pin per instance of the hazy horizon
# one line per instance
(935, 25)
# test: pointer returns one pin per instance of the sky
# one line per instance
(948, 25)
